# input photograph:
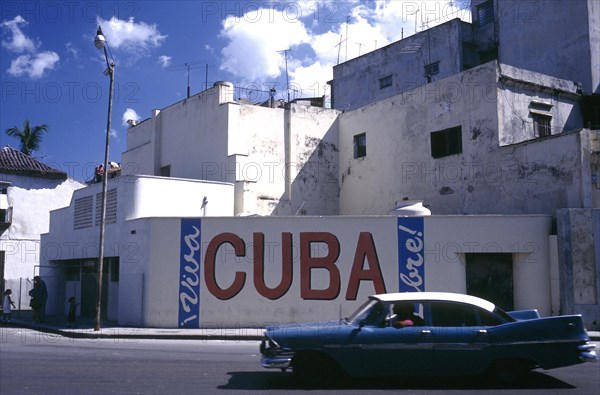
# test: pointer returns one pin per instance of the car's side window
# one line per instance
(452, 314)
(488, 319)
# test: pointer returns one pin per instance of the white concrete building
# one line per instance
(29, 189)
(70, 248)
(281, 161)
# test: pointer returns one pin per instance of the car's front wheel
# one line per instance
(315, 368)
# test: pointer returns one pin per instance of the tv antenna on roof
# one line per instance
(287, 76)
(188, 66)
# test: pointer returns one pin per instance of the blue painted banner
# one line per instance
(411, 252)
(189, 273)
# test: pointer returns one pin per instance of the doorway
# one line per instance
(490, 276)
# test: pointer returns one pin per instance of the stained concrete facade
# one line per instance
(557, 38)
(501, 167)
(401, 66)
(526, 35)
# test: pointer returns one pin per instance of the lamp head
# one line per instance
(99, 40)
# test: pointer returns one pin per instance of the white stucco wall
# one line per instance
(31, 198)
(446, 241)
(210, 137)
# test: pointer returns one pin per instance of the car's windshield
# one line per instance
(368, 314)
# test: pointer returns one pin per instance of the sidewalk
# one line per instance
(110, 330)
(85, 330)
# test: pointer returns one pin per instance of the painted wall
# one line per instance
(239, 272)
(534, 176)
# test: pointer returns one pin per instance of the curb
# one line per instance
(153, 333)
(134, 333)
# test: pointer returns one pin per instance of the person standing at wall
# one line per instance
(35, 303)
(72, 312)
(7, 304)
(43, 297)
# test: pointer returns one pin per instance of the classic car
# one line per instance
(439, 334)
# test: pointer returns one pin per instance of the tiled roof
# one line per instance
(16, 162)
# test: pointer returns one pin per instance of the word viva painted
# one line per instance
(189, 274)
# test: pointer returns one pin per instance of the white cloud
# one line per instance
(164, 61)
(137, 38)
(128, 115)
(255, 45)
(34, 66)
(74, 52)
(18, 42)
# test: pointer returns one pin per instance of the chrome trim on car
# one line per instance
(587, 354)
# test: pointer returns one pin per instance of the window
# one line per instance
(452, 314)
(432, 69)
(446, 142)
(541, 117)
(360, 145)
(485, 13)
(165, 171)
(385, 81)
(488, 55)
(541, 125)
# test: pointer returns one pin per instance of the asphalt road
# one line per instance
(38, 363)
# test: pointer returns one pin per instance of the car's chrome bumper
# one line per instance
(276, 362)
(273, 357)
(587, 353)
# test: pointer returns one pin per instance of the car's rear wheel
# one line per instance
(315, 368)
(510, 370)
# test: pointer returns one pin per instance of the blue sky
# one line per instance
(50, 71)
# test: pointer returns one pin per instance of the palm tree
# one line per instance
(30, 137)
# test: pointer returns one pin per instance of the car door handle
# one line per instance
(482, 331)
(425, 332)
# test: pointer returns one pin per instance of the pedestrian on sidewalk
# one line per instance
(7, 303)
(43, 297)
(35, 302)
(72, 312)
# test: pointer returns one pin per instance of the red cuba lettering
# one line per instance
(365, 249)
(308, 263)
(210, 263)
(286, 266)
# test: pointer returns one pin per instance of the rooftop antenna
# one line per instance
(187, 67)
(339, 45)
(287, 76)
(360, 45)
(347, 23)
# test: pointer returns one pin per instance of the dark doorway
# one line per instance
(2, 273)
(490, 276)
(89, 284)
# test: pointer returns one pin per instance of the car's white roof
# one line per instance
(442, 296)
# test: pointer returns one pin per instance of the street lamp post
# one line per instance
(100, 43)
